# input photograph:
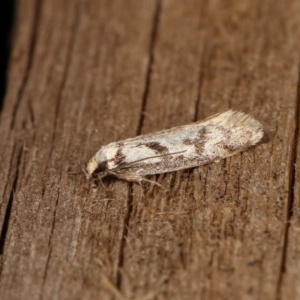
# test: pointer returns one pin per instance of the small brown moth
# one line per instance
(182, 147)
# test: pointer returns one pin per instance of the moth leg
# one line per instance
(101, 182)
(153, 182)
(135, 178)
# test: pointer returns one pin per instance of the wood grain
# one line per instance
(86, 73)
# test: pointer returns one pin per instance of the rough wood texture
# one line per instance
(85, 73)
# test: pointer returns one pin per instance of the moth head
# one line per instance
(96, 169)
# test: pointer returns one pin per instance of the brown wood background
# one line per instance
(83, 73)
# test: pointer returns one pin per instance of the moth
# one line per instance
(182, 147)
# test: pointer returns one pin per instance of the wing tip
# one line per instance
(233, 118)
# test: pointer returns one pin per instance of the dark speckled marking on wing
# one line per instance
(229, 148)
(120, 157)
(157, 147)
(198, 142)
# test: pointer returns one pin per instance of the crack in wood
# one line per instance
(50, 242)
(291, 192)
(200, 81)
(124, 235)
(31, 54)
(75, 25)
(153, 38)
(7, 215)
(68, 63)
(150, 65)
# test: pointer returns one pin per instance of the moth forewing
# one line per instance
(181, 147)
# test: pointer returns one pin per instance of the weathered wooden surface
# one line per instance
(84, 73)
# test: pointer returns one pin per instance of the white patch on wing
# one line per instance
(141, 152)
